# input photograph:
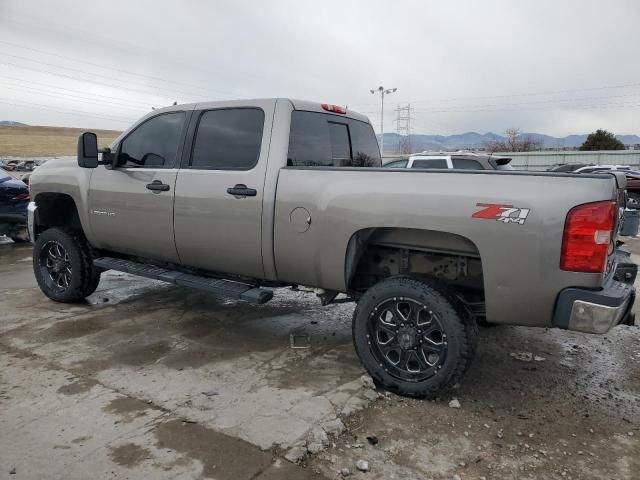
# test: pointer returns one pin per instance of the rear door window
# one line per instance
(430, 163)
(318, 139)
(228, 139)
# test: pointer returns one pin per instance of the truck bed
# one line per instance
(520, 262)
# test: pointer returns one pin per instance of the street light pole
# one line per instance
(383, 92)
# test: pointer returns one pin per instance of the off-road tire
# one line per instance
(458, 329)
(83, 278)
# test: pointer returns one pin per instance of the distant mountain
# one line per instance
(474, 140)
(11, 123)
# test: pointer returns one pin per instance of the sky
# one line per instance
(549, 66)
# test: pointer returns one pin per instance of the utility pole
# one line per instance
(383, 92)
(403, 127)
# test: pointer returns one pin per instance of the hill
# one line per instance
(474, 140)
(11, 122)
(41, 141)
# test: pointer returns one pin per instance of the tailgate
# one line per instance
(621, 199)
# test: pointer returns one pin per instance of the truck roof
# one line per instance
(305, 105)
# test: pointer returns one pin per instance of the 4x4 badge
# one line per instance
(502, 213)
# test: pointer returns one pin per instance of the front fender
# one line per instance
(64, 176)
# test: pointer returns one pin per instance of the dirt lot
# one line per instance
(147, 380)
(39, 141)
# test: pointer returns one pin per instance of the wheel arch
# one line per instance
(419, 249)
(55, 209)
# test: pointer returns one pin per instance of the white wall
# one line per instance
(544, 160)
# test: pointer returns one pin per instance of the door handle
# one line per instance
(158, 186)
(241, 190)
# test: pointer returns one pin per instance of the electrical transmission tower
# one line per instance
(403, 127)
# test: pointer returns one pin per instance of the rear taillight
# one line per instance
(333, 108)
(587, 234)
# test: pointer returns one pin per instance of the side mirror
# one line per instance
(88, 150)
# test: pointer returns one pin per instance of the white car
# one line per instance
(601, 168)
(457, 161)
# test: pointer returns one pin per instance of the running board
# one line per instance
(227, 288)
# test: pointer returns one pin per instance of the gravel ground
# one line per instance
(536, 404)
(147, 380)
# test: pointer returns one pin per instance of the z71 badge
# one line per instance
(502, 213)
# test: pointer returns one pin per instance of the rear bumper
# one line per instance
(595, 311)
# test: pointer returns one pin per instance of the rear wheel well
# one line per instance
(56, 210)
(378, 253)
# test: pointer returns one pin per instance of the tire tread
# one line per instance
(439, 294)
(89, 277)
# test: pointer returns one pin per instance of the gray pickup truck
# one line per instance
(239, 197)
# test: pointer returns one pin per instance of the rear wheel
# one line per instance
(412, 338)
(63, 266)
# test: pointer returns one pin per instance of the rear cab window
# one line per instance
(325, 140)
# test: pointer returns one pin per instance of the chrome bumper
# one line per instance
(593, 318)
(31, 217)
(594, 311)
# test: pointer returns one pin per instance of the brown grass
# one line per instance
(46, 141)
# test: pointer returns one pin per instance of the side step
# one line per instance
(227, 288)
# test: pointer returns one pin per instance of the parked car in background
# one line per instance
(568, 167)
(14, 199)
(633, 180)
(20, 165)
(452, 160)
(602, 168)
(26, 177)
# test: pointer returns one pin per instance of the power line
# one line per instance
(463, 108)
(128, 47)
(579, 106)
(571, 107)
(71, 97)
(85, 35)
(39, 106)
(48, 85)
(80, 79)
(556, 92)
(84, 72)
(208, 90)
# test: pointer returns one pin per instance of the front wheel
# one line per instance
(63, 266)
(411, 338)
